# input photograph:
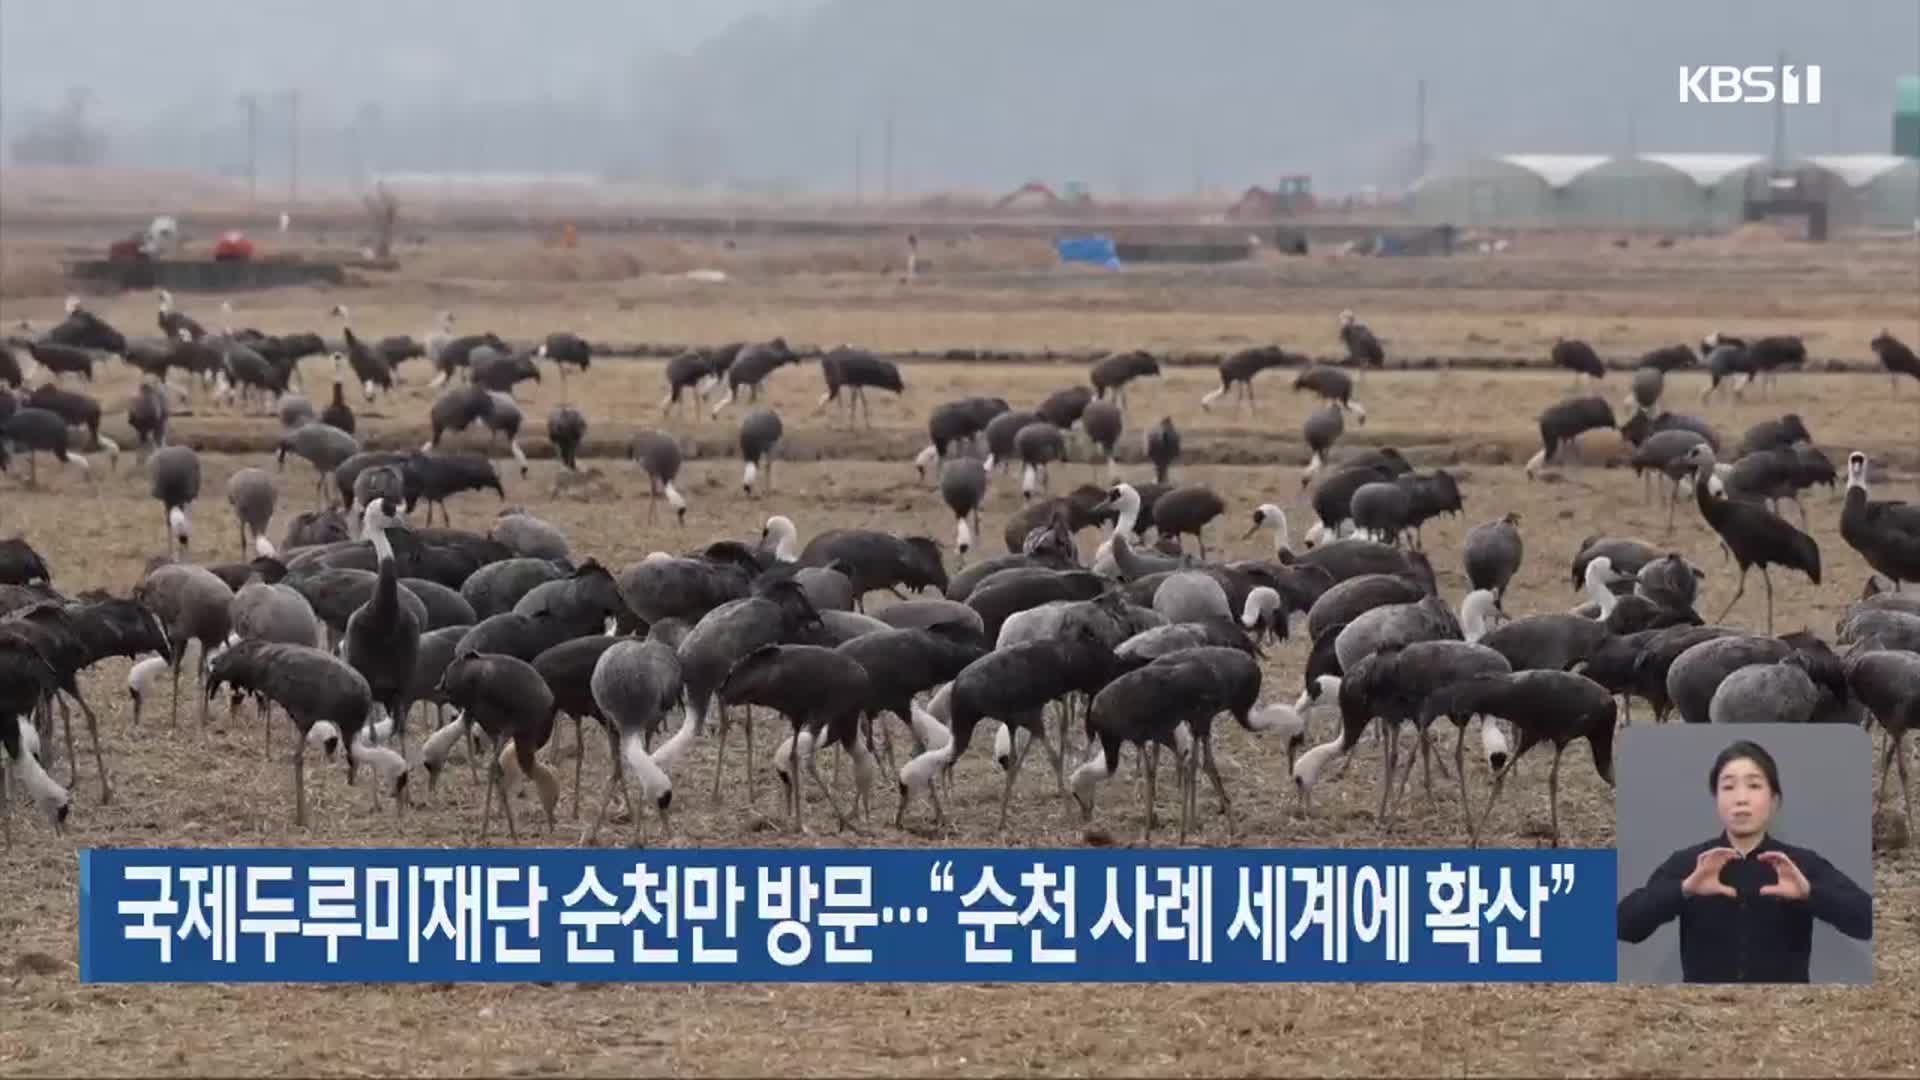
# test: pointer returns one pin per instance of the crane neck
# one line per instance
(382, 547)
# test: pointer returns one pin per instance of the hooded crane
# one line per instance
(955, 422)
(1567, 421)
(634, 684)
(963, 485)
(566, 428)
(20, 564)
(1238, 369)
(253, 496)
(820, 691)
(1896, 357)
(760, 433)
(1163, 448)
(695, 369)
(778, 612)
(1113, 372)
(1187, 510)
(25, 681)
(1885, 532)
(369, 367)
(313, 687)
(1648, 384)
(173, 477)
(1104, 423)
(1493, 553)
(1578, 357)
(751, 367)
(442, 476)
(1321, 429)
(1333, 385)
(383, 637)
(1543, 706)
(508, 700)
(37, 431)
(1754, 535)
(1162, 703)
(338, 413)
(566, 350)
(1665, 452)
(856, 370)
(147, 414)
(1362, 346)
(659, 454)
(1039, 444)
(324, 446)
(1013, 685)
(1887, 682)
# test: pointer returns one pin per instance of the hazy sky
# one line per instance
(1132, 96)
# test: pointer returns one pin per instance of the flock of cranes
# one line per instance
(358, 622)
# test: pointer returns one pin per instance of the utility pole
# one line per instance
(886, 157)
(1780, 121)
(252, 104)
(859, 167)
(1420, 148)
(292, 98)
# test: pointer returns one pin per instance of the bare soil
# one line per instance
(218, 784)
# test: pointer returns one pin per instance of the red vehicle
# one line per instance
(233, 247)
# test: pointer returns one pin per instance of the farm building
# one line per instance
(1875, 190)
(1680, 192)
(1651, 191)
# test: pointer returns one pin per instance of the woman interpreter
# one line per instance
(1745, 900)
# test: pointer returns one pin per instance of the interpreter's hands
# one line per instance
(1792, 884)
(1705, 879)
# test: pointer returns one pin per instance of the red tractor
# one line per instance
(233, 247)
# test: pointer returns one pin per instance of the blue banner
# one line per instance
(850, 915)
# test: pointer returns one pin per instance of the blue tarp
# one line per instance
(1095, 248)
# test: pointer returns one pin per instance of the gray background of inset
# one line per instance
(1662, 804)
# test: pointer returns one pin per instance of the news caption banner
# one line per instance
(850, 915)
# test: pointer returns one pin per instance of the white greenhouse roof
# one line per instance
(1558, 170)
(1859, 170)
(1705, 169)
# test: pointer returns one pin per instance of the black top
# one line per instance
(1749, 938)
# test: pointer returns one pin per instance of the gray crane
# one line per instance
(173, 477)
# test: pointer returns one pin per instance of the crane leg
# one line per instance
(1906, 793)
(813, 769)
(1767, 580)
(1886, 763)
(1391, 735)
(1013, 772)
(300, 782)
(796, 797)
(720, 754)
(1499, 781)
(1737, 594)
(6, 810)
(1460, 767)
(616, 777)
(66, 723)
(753, 781)
(579, 755)
(1146, 834)
(1188, 771)
(99, 759)
(1219, 786)
(1553, 796)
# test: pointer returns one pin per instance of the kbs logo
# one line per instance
(1722, 85)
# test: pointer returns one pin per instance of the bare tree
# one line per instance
(63, 136)
(383, 215)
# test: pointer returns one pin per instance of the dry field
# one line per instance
(216, 784)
